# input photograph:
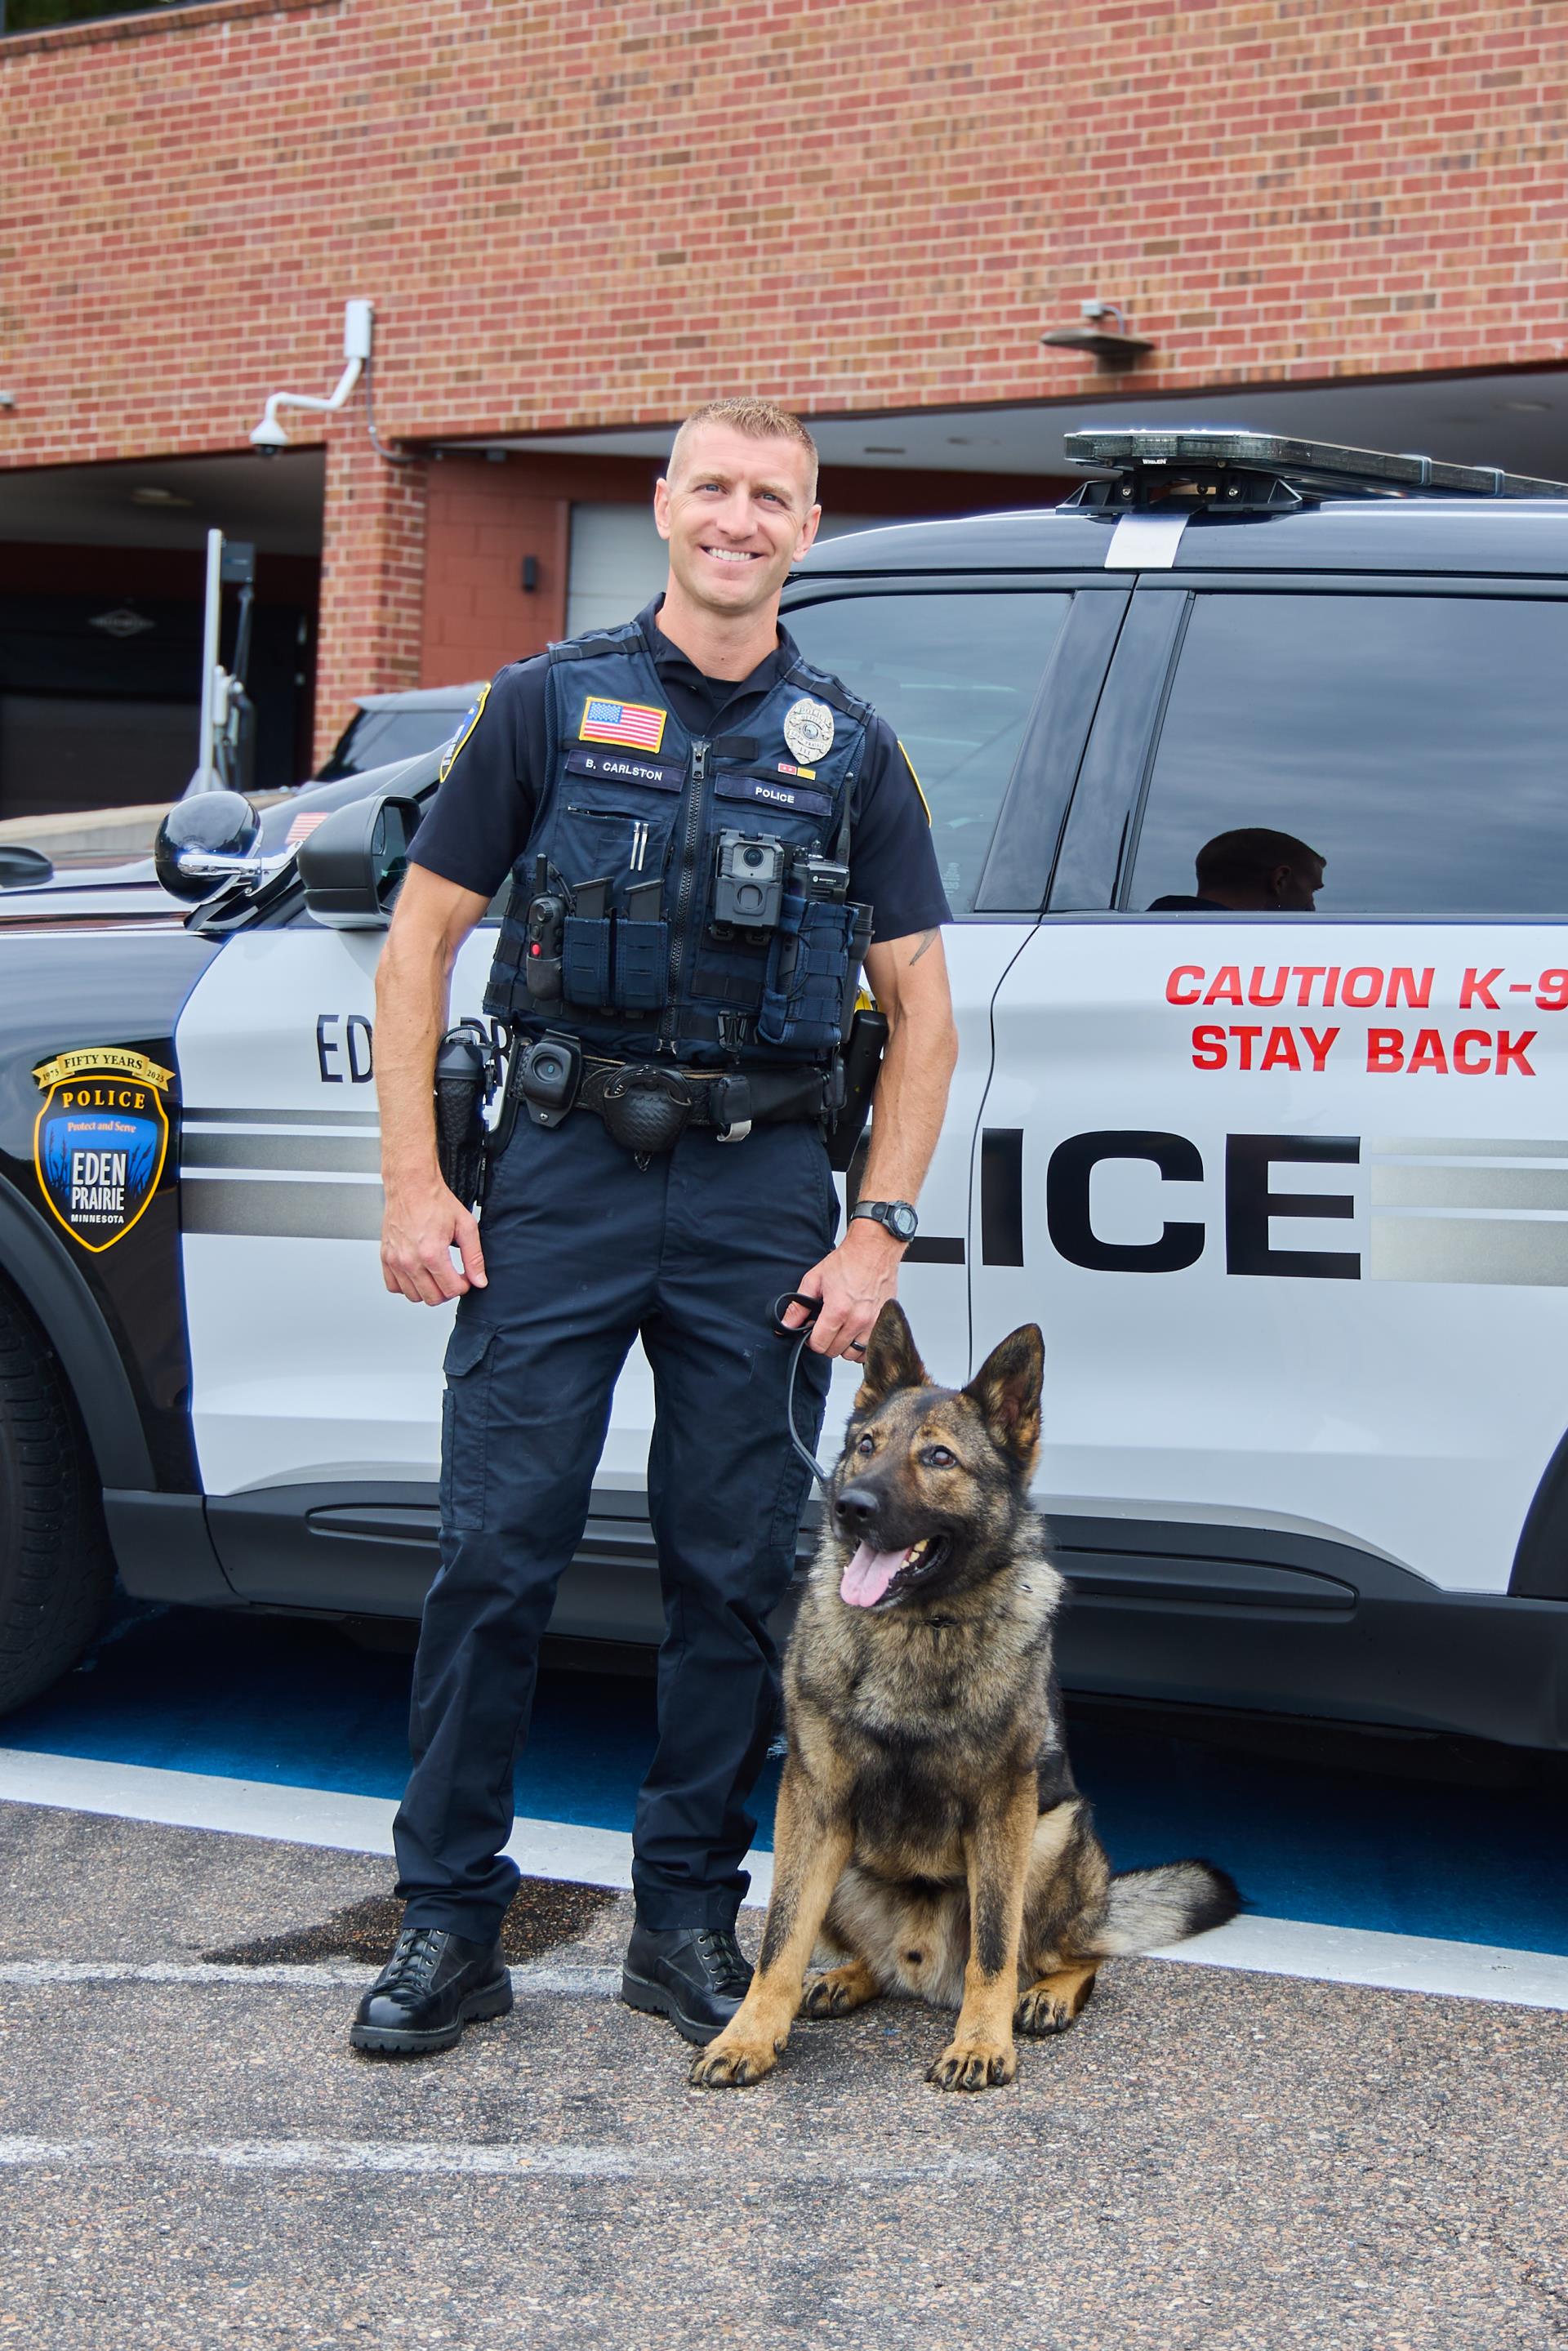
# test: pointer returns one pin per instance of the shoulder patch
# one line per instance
(462, 735)
(915, 781)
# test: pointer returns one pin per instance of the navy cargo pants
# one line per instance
(584, 1249)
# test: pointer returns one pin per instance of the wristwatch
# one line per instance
(898, 1217)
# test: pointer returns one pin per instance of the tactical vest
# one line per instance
(675, 827)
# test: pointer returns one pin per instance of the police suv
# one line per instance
(1246, 772)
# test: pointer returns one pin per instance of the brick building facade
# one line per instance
(576, 222)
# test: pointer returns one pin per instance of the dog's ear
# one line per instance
(1007, 1389)
(890, 1360)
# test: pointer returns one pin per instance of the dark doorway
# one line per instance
(102, 572)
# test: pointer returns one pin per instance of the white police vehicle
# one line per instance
(1287, 1188)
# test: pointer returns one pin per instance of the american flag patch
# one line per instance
(634, 723)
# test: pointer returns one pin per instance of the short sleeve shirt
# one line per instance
(478, 825)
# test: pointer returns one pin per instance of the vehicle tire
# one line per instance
(56, 1571)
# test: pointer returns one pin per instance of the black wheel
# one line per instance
(55, 1566)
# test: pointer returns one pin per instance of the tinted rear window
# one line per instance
(1418, 745)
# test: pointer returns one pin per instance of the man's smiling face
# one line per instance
(736, 512)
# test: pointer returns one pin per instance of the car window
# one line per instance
(956, 677)
(1417, 745)
(378, 737)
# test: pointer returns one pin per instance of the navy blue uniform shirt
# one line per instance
(478, 825)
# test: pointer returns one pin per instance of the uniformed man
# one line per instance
(697, 996)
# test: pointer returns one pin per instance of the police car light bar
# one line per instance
(1148, 463)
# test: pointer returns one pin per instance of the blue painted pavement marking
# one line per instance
(1338, 1843)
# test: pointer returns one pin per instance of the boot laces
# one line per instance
(414, 1960)
(724, 1960)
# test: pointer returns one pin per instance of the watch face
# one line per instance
(901, 1221)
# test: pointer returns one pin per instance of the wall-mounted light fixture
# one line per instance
(530, 574)
(1110, 347)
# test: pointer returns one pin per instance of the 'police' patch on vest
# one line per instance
(100, 1140)
(771, 791)
(638, 724)
(618, 768)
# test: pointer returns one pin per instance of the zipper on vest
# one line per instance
(696, 805)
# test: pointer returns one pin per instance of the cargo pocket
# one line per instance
(465, 1426)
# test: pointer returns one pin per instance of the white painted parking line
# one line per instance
(313, 1816)
(427, 2156)
(1362, 1955)
(578, 1983)
(590, 1856)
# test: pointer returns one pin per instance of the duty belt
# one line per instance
(646, 1107)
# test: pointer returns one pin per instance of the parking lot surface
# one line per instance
(191, 2155)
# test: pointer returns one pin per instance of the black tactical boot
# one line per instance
(434, 1984)
(696, 1976)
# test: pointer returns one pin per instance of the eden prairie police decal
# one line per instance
(101, 1139)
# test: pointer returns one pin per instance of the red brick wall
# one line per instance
(572, 214)
(373, 579)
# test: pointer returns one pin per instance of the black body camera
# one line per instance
(549, 1076)
(749, 889)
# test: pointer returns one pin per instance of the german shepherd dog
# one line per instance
(928, 1826)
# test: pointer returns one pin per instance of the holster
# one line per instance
(860, 1065)
(465, 1073)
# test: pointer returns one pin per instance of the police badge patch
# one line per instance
(100, 1140)
(808, 728)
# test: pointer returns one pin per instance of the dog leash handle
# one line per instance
(800, 1333)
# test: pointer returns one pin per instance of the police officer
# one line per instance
(676, 800)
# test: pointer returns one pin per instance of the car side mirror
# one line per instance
(352, 863)
(208, 844)
(24, 869)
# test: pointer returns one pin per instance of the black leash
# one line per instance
(800, 1333)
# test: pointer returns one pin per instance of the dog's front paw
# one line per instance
(840, 1991)
(974, 2066)
(1053, 2004)
(1042, 2011)
(733, 2061)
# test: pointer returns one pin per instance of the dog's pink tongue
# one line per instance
(868, 1575)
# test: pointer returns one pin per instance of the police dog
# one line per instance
(928, 1827)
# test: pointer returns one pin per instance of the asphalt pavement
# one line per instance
(192, 2156)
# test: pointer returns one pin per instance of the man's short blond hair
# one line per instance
(759, 420)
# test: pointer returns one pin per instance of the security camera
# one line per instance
(358, 328)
